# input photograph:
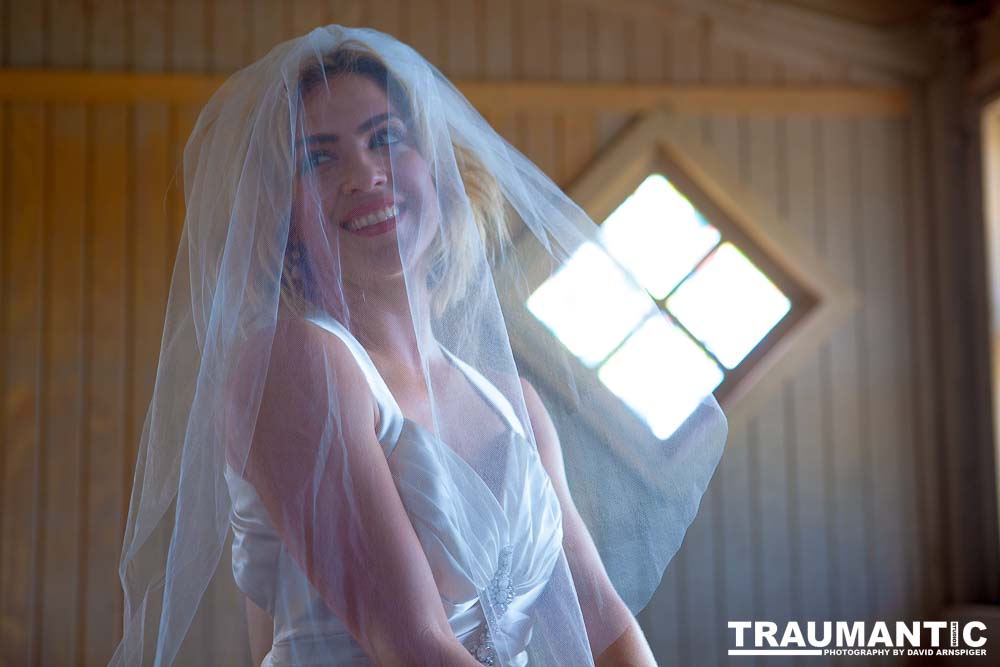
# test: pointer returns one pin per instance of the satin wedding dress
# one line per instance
(499, 577)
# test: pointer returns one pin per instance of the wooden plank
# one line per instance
(778, 557)
(923, 363)
(66, 45)
(150, 39)
(306, 15)
(462, 32)
(108, 472)
(20, 641)
(904, 305)
(61, 446)
(686, 68)
(736, 546)
(609, 34)
(62, 452)
(231, 38)
(495, 96)
(425, 30)
(702, 636)
(881, 218)
(268, 27)
(108, 44)
(25, 34)
(499, 63)
(145, 266)
(739, 580)
(659, 620)
(347, 13)
(646, 51)
(499, 40)
(575, 132)
(190, 37)
(851, 539)
(383, 15)
(810, 442)
(535, 30)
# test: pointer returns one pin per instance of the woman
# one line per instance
(338, 388)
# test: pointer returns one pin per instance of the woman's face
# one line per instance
(363, 192)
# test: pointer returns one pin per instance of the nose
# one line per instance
(363, 172)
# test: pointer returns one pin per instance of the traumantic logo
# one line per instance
(857, 638)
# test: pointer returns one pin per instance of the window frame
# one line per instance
(657, 143)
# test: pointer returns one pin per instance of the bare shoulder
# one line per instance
(297, 372)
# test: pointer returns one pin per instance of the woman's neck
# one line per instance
(385, 323)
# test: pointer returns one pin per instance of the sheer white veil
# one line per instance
(274, 347)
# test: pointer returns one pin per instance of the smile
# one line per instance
(375, 222)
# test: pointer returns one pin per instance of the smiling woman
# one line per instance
(337, 391)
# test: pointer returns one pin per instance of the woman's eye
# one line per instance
(314, 159)
(386, 136)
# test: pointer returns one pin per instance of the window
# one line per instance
(738, 302)
(714, 305)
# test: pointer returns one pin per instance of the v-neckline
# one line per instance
(498, 503)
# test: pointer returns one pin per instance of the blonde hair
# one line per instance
(451, 260)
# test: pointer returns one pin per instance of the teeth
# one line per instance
(372, 218)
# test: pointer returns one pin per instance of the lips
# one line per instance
(367, 208)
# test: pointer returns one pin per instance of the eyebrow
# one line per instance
(325, 137)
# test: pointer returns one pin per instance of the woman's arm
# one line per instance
(610, 625)
(260, 628)
(324, 479)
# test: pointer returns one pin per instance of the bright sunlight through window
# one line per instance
(715, 306)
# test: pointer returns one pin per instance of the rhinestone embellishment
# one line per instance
(500, 593)
(482, 648)
(501, 588)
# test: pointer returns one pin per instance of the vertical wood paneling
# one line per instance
(26, 34)
(62, 445)
(684, 60)
(383, 15)
(268, 22)
(608, 30)
(499, 63)
(850, 499)
(463, 20)
(150, 41)
(537, 127)
(22, 365)
(736, 525)
(776, 568)
(921, 274)
(306, 15)
(425, 30)
(810, 439)
(109, 477)
(231, 35)
(882, 253)
(575, 134)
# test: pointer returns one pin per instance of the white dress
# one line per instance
(518, 529)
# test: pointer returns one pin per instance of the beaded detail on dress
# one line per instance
(499, 595)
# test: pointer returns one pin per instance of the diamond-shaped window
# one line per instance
(715, 305)
(698, 281)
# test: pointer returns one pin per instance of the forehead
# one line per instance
(345, 101)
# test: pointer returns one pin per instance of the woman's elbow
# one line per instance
(429, 646)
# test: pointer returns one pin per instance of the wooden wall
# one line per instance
(840, 499)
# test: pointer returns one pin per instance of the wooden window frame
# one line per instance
(655, 143)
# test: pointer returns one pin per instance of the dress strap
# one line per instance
(489, 392)
(390, 414)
